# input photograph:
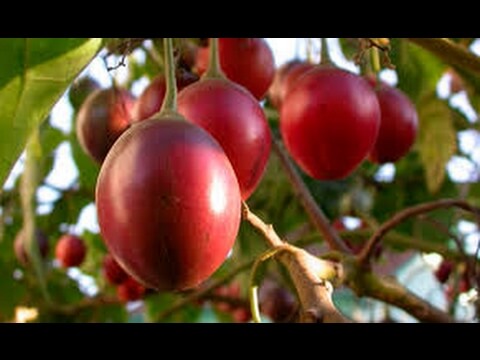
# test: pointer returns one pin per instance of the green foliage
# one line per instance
(35, 73)
(436, 139)
(418, 71)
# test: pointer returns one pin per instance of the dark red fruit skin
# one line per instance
(112, 271)
(232, 290)
(285, 77)
(444, 270)
(247, 61)
(278, 304)
(70, 250)
(329, 122)
(151, 99)
(241, 315)
(80, 90)
(130, 290)
(236, 120)
(168, 203)
(19, 246)
(398, 125)
(102, 118)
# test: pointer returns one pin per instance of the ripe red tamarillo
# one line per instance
(168, 203)
(329, 122)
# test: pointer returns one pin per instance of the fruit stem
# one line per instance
(214, 69)
(169, 105)
(254, 308)
(375, 60)
(325, 55)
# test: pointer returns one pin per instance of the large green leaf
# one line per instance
(436, 140)
(34, 73)
(418, 70)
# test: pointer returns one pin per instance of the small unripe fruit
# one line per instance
(112, 271)
(19, 246)
(70, 250)
(130, 290)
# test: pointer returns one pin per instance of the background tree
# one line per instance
(394, 240)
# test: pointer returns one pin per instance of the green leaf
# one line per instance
(436, 139)
(418, 70)
(34, 74)
(88, 169)
(11, 292)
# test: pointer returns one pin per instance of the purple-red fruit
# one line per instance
(285, 78)
(168, 203)
(329, 122)
(278, 304)
(70, 250)
(236, 120)
(130, 290)
(151, 99)
(247, 61)
(444, 270)
(19, 246)
(81, 89)
(112, 271)
(102, 118)
(398, 125)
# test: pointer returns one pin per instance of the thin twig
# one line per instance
(199, 294)
(444, 229)
(315, 214)
(366, 253)
(87, 303)
(153, 54)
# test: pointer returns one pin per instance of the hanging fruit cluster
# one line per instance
(177, 162)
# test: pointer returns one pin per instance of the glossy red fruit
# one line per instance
(70, 250)
(151, 100)
(247, 61)
(398, 125)
(285, 77)
(444, 270)
(112, 271)
(19, 246)
(236, 120)
(168, 203)
(464, 284)
(329, 122)
(130, 290)
(102, 118)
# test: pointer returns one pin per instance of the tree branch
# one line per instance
(365, 283)
(451, 53)
(309, 274)
(196, 295)
(367, 251)
(315, 214)
(87, 303)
